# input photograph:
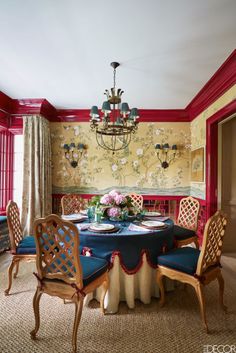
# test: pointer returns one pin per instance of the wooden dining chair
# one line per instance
(72, 203)
(195, 267)
(137, 201)
(22, 248)
(61, 271)
(187, 222)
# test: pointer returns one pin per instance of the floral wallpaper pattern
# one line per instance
(136, 168)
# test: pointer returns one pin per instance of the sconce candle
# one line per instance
(73, 153)
(165, 154)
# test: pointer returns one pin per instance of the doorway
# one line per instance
(227, 178)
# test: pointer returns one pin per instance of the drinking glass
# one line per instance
(124, 216)
(90, 213)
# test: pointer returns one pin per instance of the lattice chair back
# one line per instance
(137, 200)
(188, 213)
(72, 204)
(57, 248)
(14, 225)
(212, 242)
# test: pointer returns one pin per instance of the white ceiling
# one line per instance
(61, 49)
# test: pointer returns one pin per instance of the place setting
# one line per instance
(75, 217)
(154, 216)
(103, 228)
(148, 226)
(152, 224)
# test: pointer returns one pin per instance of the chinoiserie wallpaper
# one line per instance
(135, 169)
(198, 134)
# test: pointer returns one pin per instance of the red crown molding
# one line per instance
(146, 115)
(33, 106)
(12, 111)
(219, 83)
(5, 107)
(72, 115)
(5, 102)
(26, 106)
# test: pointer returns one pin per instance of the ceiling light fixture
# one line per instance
(115, 128)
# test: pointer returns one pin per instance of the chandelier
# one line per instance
(115, 127)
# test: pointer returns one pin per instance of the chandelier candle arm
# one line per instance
(118, 123)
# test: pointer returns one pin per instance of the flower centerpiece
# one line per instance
(113, 204)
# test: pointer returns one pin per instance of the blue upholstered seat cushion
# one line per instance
(181, 233)
(26, 246)
(180, 259)
(3, 219)
(93, 267)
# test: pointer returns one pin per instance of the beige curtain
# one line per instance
(37, 172)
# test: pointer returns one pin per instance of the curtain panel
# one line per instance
(37, 171)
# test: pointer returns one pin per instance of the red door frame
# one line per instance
(212, 154)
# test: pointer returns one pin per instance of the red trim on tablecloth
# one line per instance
(137, 268)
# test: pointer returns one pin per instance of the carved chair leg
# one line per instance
(10, 269)
(78, 312)
(201, 300)
(36, 300)
(221, 290)
(161, 287)
(105, 286)
(17, 269)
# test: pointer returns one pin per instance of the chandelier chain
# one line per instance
(114, 78)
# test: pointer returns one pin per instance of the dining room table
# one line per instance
(131, 250)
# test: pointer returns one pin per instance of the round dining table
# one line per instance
(131, 252)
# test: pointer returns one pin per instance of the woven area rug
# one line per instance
(146, 329)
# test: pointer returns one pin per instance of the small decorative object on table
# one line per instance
(114, 205)
(90, 213)
(98, 213)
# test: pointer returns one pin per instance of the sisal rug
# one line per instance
(146, 329)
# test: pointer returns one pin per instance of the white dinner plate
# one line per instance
(153, 224)
(83, 212)
(102, 226)
(152, 214)
(73, 217)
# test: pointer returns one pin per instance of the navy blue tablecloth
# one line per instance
(129, 245)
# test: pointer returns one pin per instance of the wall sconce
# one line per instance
(73, 153)
(166, 154)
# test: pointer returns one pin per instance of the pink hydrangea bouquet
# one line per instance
(113, 203)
